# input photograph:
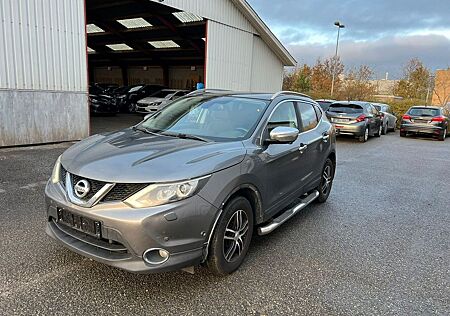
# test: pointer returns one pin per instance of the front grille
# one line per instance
(120, 192)
(95, 186)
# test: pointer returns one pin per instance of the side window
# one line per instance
(318, 112)
(308, 115)
(284, 115)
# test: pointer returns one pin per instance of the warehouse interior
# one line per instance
(141, 41)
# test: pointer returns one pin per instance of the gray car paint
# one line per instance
(276, 173)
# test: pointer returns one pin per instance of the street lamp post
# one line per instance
(339, 26)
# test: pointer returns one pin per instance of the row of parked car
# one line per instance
(365, 119)
(140, 98)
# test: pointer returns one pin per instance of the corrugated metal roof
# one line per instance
(135, 23)
(186, 17)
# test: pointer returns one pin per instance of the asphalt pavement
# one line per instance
(380, 245)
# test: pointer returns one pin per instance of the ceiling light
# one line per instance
(186, 17)
(135, 23)
(119, 47)
(92, 28)
(164, 44)
(90, 50)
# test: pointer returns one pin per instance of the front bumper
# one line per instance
(146, 109)
(356, 129)
(422, 129)
(181, 228)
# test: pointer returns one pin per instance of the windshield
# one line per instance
(224, 118)
(163, 94)
(345, 108)
(324, 104)
(423, 112)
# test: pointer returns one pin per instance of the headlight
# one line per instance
(158, 194)
(56, 174)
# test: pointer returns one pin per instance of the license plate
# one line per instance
(80, 223)
(338, 120)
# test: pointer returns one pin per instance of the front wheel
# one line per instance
(326, 182)
(380, 131)
(232, 237)
(385, 129)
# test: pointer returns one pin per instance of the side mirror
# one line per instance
(283, 135)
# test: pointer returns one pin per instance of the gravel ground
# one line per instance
(380, 245)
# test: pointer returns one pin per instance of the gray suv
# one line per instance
(191, 183)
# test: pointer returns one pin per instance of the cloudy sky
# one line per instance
(383, 34)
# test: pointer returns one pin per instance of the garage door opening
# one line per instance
(135, 48)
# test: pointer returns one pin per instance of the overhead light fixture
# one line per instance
(92, 28)
(164, 44)
(135, 23)
(186, 17)
(118, 47)
(90, 50)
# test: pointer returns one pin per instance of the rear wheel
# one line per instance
(364, 137)
(443, 136)
(232, 237)
(326, 181)
(380, 131)
(402, 134)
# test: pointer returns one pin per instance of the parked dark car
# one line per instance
(428, 120)
(191, 183)
(325, 103)
(100, 102)
(389, 117)
(357, 118)
(128, 101)
(122, 94)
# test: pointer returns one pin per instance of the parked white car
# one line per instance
(158, 100)
(389, 118)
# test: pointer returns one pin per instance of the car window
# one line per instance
(284, 115)
(223, 118)
(325, 105)
(318, 112)
(308, 116)
(345, 108)
(423, 112)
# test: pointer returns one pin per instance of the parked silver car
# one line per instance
(389, 118)
(158, 100)
(191, 183)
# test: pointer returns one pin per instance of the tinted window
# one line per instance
(318, 112)
(217, 118)
(284, 115)
(423, 112)
(345, 108)
(308, 115)
(324, 104)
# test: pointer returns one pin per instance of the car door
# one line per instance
(375, 119)
(312, 139)
(281, 164)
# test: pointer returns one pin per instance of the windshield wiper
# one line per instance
(186, 136)
(145, 130)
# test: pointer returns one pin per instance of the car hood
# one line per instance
(130, 156)
(151, 100)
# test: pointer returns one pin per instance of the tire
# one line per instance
(380, 131)
(443, 136)
(363, 138)
(222, 259)
(385, 129)
(402, 134)
(326, 181)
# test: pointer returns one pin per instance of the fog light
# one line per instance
(156, 256)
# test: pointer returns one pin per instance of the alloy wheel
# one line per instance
(235, 235)
(327, 178)
(366, 134)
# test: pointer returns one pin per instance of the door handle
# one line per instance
(325, 137)
(302, 148)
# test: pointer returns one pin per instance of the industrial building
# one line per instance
(52, 49)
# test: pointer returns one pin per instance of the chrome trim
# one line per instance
(151, 262)
(277, 94)
(93, 200)
(277, 222)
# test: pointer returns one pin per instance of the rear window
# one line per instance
(423, 112)
(324, 104)
(345, 108)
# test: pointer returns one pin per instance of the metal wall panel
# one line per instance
(222, 11)
(267, 69)
(229, 58)
(43, 45)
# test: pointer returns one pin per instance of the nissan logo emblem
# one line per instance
(82, 188)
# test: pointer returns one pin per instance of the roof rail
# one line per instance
(277, 94)
(201, 91)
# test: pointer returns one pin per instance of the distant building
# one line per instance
(441, 92)
(384, 89)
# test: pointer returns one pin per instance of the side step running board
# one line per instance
(276, 222)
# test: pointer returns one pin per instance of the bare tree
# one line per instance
(357, 85)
